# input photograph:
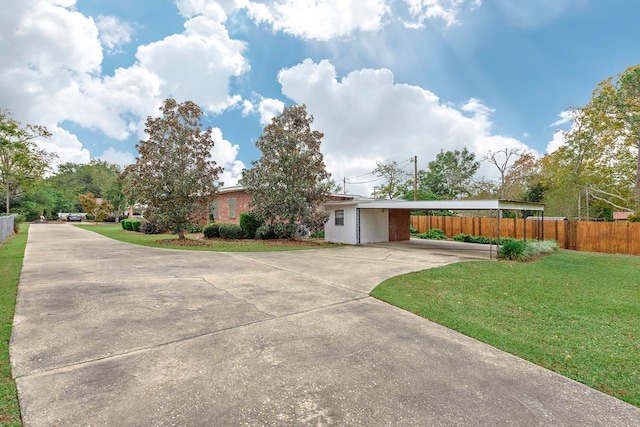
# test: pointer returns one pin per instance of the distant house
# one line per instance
(621, 216)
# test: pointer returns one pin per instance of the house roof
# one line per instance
(622, 215)
(454, 205)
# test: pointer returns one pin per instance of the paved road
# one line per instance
(111, 334)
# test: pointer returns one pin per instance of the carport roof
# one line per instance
(454, 205)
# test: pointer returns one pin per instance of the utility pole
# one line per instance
(344, 185)
(415, 178)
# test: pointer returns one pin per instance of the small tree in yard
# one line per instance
(100, 209)
(289, 183)
(174, 174)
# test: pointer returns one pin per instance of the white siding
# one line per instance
(374, 225)
(341, 233)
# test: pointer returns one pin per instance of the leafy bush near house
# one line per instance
(194, 228)
(250, 222)
(634, 218)
(412, 230)
(126, 224)
(211, 231)
(149, 228)
(265, 232)
(230, 231)
(434, 233)
(317, 235)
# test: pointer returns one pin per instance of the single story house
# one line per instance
(232, 202)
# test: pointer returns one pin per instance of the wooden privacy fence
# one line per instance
(589, 236)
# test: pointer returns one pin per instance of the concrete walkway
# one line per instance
(111, 334)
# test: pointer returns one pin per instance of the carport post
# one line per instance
(498, 235)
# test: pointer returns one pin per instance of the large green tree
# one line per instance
(450, 175)
(22, 163)
(174, 174)
(598, 166)
(289, 183)
(97, 177)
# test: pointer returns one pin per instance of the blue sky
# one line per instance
(384, 79)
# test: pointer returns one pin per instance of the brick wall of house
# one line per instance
(225, 206)
(399, 221)
(241, 203)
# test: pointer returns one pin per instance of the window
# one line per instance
(340, 217)
(232, 208)
(213, 211)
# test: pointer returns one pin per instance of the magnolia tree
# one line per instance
(289, 183)
(174, 174)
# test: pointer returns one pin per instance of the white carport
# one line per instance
(373, 220)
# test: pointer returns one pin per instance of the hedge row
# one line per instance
(131, 224)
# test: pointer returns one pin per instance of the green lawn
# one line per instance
(575, 313)
(117, 233)
(11, 254)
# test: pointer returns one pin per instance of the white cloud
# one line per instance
(121, 158)
(66, 146)
(225, 154)
(557, 142)
(268, 109)
(564, 118)
(446, 10)
(208, 59)
(52, 59)
(113, 33)
(216, 10)
(320, 19)
(367, 117)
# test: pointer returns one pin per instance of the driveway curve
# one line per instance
(111, 334)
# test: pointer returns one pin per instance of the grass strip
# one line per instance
(117, 233)
(11, 256)
(574, 313)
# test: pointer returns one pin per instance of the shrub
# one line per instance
(317, 235)
(126, 224)
(265, 232)
(211, 231)
(412, 230)
(135, 224)
(230, 231)
(194, 228)
(149, 228)
(462, 237)
(434, 233)
(513, 249)
(250, 222)
(285, 230)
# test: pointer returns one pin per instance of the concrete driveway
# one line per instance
(111, 334)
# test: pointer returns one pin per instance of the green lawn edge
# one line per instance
(11, 257)
(574, 313)
(117, 233)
